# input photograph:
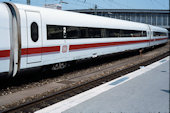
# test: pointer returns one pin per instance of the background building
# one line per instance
(154, 17)
(53, 6)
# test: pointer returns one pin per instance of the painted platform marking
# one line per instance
(119, 81)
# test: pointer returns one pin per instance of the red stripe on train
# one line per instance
(29, 51)
(160, 39)
(85, 46)
(40, 50)
(6, 53)
(51, 49)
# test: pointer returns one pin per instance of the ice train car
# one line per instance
(35, 36)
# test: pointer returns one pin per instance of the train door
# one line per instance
(151, 37)
(34, 40)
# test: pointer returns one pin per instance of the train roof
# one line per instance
(68, 18)
(159, 29)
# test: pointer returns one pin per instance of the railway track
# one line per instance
(72, 91)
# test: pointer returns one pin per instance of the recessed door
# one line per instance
(34, 49)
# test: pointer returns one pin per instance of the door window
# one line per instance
(34, 32)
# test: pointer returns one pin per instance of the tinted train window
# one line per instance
(159, 34)
(144, 34)
(132, 33)
(112, 33)
(84, 32)
(124, 33)
(54, 32)
(34, 31)
(94, 32)
(72, 32)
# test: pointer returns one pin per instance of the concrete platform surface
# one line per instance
(143, 91)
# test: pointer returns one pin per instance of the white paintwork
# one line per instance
(4, 37)
(157, 29)
(33, 17)
(80, 98)
(23, 37)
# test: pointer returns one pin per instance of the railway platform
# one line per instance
(143, 91)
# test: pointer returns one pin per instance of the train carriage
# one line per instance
(35, 36)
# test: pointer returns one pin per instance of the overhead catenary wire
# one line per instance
(90, 4)
(80, 3)
(110, 3)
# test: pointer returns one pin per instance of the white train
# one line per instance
(35, 36)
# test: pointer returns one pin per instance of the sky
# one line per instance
(101, 4)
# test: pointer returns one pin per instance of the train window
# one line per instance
(135, 33)
(72, 32)
(124, 33)
(112, 33)
(84, 32)
(34, 31)
(144, 34)
(132, 33)
(103, 33)
(94, 32)
(159, 34)
(54, 32)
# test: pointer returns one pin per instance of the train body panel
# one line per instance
(64, 18)
(5, 31)
(34, 19)
(156, 38)
(57, 17)
(45, 36)
(24, 39)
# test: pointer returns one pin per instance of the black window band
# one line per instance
(72, 32)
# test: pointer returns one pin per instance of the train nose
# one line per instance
(4, 28)
(4, 39)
